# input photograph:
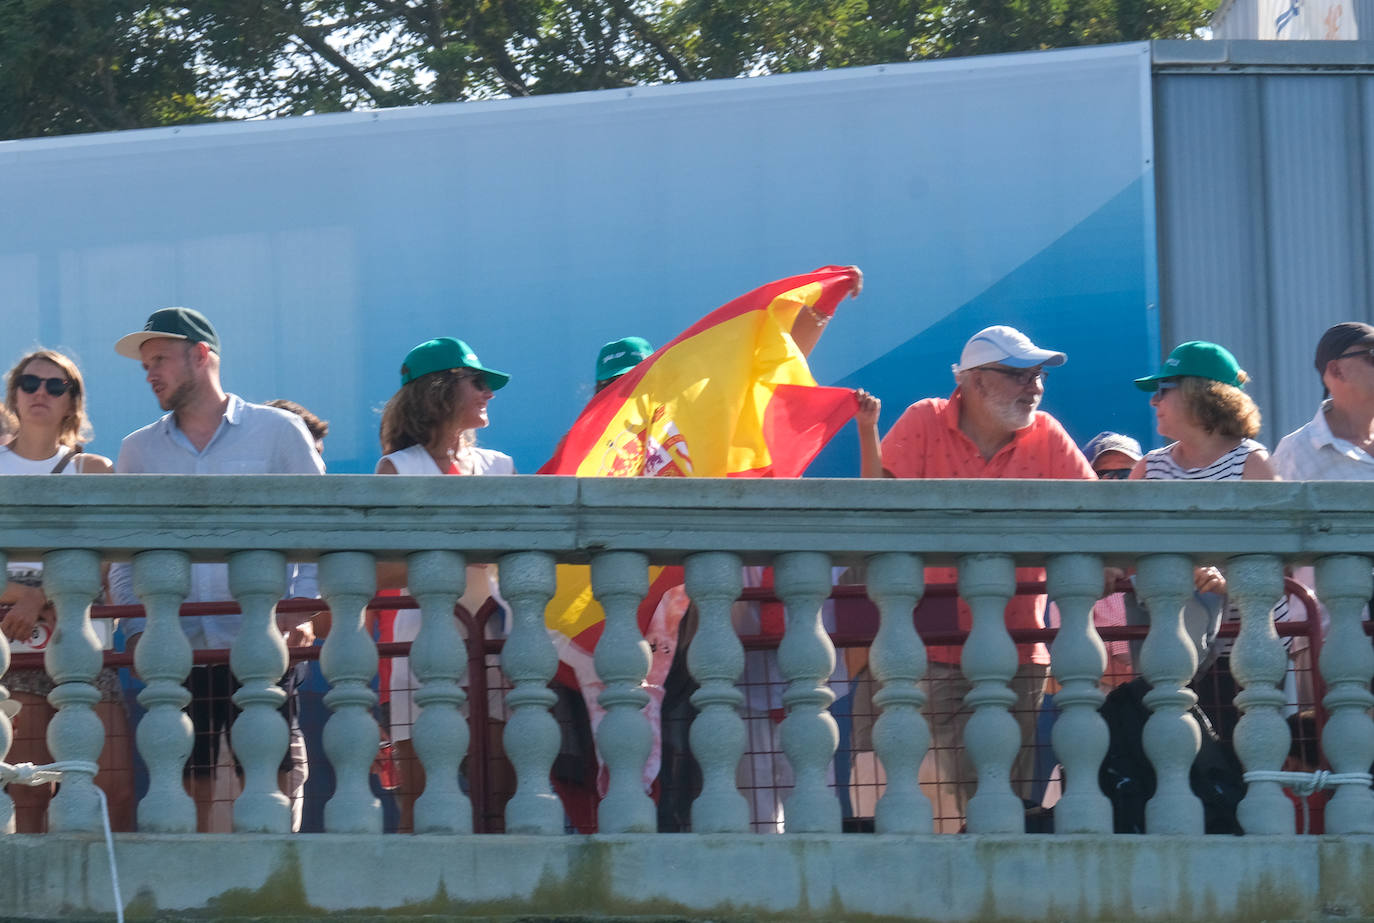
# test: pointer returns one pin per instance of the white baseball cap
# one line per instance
(1008, 346)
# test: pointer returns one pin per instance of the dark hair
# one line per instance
(1220, 408)
(416, 413)
(318, 428)
(76, 429)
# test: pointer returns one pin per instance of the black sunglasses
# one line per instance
(57, 387)
(1367, 354)
(1114, 474)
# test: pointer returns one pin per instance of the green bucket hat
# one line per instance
(1199, 359)
(443, 353)
(619, 356)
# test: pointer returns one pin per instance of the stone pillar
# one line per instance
(716, 660)
(162, 579)
(901, 736)
(1168, 660)
(71, 580)
(807, 658)
(1259, 662)
(1344, 585)
(620, 579)
(528, 659)
(439, 659)
(348, 580)
(258, 658)
(1078, 658)
(992, 736)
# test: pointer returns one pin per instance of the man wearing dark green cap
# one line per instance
(205, 431)
(618, 357)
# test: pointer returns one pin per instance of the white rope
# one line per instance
(30, 774)
(1305, 784)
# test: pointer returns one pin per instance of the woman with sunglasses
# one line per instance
(47, 396)
(1199, 403)
(429, 428)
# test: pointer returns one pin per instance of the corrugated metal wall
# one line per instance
(1263, 185)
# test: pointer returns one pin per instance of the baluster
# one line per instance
(258, 658)
(992, 736)
(807, 658)
(436, 579)
(529, 660)
(7, 711)
(1078, 658)
(716, 660)
(901, 736)
(162, 579)
(1258, 662)
(71, 580)
(1168, 661)
(1344, 585)
(349, 661)
(620, 579)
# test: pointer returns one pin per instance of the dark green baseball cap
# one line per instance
(1199, 359)
(173, 323)
(619, 356)
(443, 353)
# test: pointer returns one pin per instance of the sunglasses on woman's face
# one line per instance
(1114, 474)
(30, 384)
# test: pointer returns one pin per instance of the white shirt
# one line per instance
(251, 439)
(1314, 453)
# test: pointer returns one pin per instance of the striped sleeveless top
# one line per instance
(1160, 465)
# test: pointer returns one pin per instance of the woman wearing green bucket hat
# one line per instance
(1199, 403)
(429, 427)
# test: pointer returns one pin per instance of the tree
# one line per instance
(90, 65)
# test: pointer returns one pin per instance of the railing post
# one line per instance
(437, 656)
(71, 579)
(807, 658)
(716, 660)
(620, 579)
(1168, 661)
(531, 735)
(1258, 662)
(901, 736)
(258, 660)
(992, 736)
(348, 580)
(1078, 658)
(7, 710)
(162, 579)
(1344, 585)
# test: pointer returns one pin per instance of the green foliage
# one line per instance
(92, 65)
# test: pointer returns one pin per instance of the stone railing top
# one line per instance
(669, 518)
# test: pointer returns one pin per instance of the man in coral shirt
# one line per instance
(990, 427)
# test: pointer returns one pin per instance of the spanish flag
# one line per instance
(732, 396)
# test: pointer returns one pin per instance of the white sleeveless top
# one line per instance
(10, 463)
(416, 459)
(1160, 465)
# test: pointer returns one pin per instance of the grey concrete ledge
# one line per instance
(1141, 879)
(668, 518)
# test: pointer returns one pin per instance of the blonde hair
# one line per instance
(76, 428)
(1220, 408)
(417, 413)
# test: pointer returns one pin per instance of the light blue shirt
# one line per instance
(251, 439)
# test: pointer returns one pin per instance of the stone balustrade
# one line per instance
(620, 527)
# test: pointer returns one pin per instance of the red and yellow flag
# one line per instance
(732, 396)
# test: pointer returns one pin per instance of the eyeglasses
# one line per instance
(1022, 377)
(1167, 384)
(57, 387)
(1367, 354)
(1114, 474)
